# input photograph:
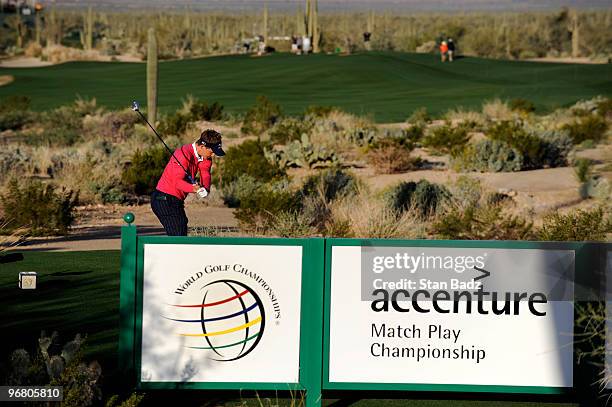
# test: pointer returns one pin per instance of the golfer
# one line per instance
(168, 199)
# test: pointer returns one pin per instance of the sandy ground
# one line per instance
(23, 62)
(569, 60)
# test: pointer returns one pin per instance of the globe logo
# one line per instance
(232, 320)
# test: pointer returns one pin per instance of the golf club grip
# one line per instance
(189, 178)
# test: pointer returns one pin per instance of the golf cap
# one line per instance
(216, 148)
(212, 139)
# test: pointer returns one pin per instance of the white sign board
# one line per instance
(433, 342)
(221, 313)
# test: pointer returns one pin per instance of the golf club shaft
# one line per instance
(166, 145)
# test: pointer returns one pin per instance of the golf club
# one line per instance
(136, 108)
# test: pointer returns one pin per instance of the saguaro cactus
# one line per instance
(316, 34)
(89, 29)
(152, 75)
(575, 30)
(265, 22)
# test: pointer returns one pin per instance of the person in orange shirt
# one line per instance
(443, 50)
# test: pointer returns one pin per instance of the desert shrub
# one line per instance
(514, 135)
(318, 111)
(419, 117)
(487, 222)
(497, 109)
(469, 118)
(292, 224)
(61, 127)
(204, 111)
(14, 103)
(522, 105)
(390, 156)
(13, 160)
(466, 191)
(424, 197)
(145, 168)
(175, 124)
(556, 148)
(258, 211)
(447, 139)
(233, 192)
(117, 126)
(57, 365)
(361, 136)
(39, 208)
(590, 127)
(604, 108)
(330, 184)
(290, 129)
(248, 158)
(583, 168)
(14, 119)
(489, 156)
(580, 225)
(260, 117)
(414, 134)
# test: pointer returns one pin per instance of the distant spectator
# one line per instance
(262, 45)
(451, 49)
(306, 44)
(443, 51)
(294, 44)
(366, 40)
(300, 44)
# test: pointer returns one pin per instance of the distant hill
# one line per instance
(331, 5)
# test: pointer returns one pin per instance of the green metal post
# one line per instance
(127, 299)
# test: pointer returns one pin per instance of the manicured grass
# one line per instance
(78, 292)
(387, 85)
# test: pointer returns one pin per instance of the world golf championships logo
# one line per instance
(232, 320)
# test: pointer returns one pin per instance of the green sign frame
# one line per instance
(311, 329)
(583, 253)
(315, 310)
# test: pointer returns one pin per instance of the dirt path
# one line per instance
(23, 62)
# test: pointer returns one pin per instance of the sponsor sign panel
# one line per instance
(460, 316)
(221, 313)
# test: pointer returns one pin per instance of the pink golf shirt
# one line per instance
(173, 180)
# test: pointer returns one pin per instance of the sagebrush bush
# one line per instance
(423, 197)
(488, 156)
(556, 148)
(117, 126)
(141, 175)
(514, 135)
(15, 103)
(466, 191)
(419, 117)
(330, 184)
(319, 111)
(292, 224)
(522, 105)
(497, 109)
(39, 208)
(258, 211)
(589, 127)
(391, 156)
(447, 139)
(14, 119)
(580, 225)
(248, 158)
(62, 126)
(233, 192)
(488, 222)
(260, 117)
(174, 124)
(204, 111)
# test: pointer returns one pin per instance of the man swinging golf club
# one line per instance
(178, 180)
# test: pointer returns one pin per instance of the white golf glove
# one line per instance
(202, 192)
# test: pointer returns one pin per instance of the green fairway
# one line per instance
(387, 85)
(78, 292)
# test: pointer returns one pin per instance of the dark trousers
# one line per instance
(171, 213)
